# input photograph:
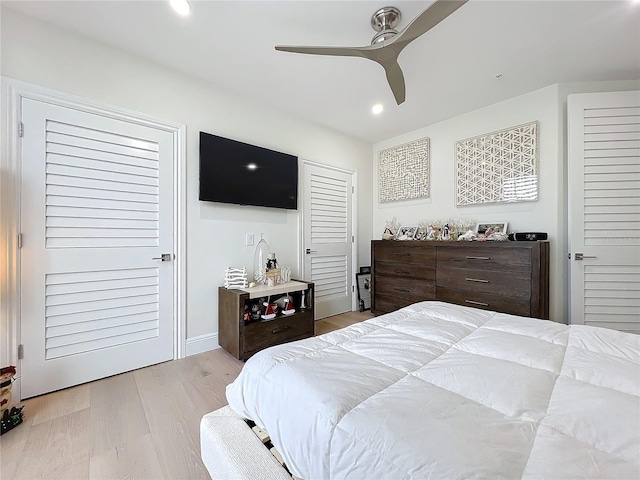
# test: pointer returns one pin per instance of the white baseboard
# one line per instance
(202, 343)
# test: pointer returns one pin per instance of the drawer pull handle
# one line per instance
(476, 303)
(476, 280)
(478, 258)
(404, 272)
(402, 254)
(402, 290)
(276, 330)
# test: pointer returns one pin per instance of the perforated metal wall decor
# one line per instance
(498, 167)
(403, 171)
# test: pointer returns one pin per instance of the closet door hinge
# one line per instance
(20, 352)
(20, 129)
(19, 240)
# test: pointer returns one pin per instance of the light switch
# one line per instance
(249, 239)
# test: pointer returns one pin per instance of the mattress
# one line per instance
(436, 390)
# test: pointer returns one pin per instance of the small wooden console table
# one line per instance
(243, 338)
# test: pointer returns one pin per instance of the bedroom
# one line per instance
(55, 58)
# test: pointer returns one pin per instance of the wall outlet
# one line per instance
(249, 240)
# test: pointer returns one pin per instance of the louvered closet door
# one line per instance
(604, 206)
(328, 238)
(97, 206)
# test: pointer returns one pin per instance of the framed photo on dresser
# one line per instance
(406, 232)
(494, 227)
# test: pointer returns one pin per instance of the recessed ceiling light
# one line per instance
(377, 109)
(252, 166)
(183, 7)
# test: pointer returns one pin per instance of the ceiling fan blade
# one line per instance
(334, 51)
(386, 52)
(395, 77)
(433, 15)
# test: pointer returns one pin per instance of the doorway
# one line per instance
(604, 209)
(99, 227)
(328, 239)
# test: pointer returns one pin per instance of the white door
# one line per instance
(604, 209)
(96, 214)
(328, 238)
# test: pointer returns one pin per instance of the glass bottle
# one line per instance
(260, 261)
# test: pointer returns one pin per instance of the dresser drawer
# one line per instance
(503, 259)
(405, 253)
(410, 289)
(425, 273)
(514, 283)
(263, 334)
(384, 304)
(486, 301)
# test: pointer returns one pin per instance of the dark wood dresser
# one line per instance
(509, 277)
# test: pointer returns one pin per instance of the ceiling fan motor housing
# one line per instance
(384, 22)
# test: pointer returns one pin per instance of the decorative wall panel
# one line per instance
(403, 171)
(498, 167)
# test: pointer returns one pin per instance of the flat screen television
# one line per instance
(243, 174)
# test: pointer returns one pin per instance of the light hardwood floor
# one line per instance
(137, 425)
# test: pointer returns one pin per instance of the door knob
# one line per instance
(165, 257)
(309, 251)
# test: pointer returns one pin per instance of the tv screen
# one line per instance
(243, 174)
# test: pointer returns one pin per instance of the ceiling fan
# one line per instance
(387, 44)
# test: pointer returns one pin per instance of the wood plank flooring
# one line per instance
(143, 424)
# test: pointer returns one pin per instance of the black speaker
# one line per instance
(527, 236)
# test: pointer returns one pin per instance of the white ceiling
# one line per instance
(448, 71)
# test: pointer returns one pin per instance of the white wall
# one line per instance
(44, 55)
(548, 214)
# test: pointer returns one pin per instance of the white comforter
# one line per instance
(443, 391)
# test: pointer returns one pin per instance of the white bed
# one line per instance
(443, 391)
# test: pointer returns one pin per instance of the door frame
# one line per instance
(302, 222)
(13, 91)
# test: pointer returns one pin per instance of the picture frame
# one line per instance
(421, 234)
(406, 232)
(404, 172)
(488, 170)
(363, 281)
(482, 227)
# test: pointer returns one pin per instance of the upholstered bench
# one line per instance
(230, 449)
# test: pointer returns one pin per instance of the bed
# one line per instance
(436, 390)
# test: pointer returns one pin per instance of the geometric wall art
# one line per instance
(498, 167)
(403, 171)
